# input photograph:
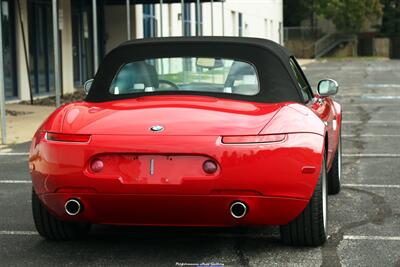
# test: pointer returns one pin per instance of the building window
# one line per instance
(240, 24)
(41, 46)
(266, 28)
(199, 20)
(9, 49)
(271, 29)
(234, 23)
(187, 23)
(82, 42)
(149, 21)
(187, 20)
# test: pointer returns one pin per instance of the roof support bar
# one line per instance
(2, 94)
(223, 17)
(212, 17)
(128, 20)
(95, 38)
(183, 16)
(198, 17)
(56, 47)
(161, 18)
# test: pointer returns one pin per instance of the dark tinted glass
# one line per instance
(301, 81)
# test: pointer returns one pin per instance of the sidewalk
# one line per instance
(23, 121)
(304, 62)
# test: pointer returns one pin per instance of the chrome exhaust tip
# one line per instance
(238, 209)
(73, 207)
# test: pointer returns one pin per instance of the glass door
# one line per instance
(40, 26)
(9, 53)
(149, 21)
(82, 38)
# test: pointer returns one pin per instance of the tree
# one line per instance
(350, 16)
(391, 17)
(295, 11)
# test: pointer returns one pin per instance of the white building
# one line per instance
(148, 18)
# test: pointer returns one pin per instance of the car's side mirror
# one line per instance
(328, 87)
(87, 86)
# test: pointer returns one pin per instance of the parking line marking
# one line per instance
(371, 135)
(14, 154)
(373, 237)
(15, 182)
(382, 104)
(375, 112)
(373, 185)
(382, 85)
(371, 155)
(371, 122)
(345, 237)
(18, 233)
(380, 97)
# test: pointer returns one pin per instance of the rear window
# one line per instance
(215, 75)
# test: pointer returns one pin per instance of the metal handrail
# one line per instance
(302, 33)
(326, 41)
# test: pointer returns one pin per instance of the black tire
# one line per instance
(335, 172)
(309, 228)
(51, 228)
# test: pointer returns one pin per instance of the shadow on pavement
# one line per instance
(156, 246)
(17, 148)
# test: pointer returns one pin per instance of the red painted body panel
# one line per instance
(180, 115)
(175, 210)
(276, 180)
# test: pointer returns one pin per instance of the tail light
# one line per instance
(38, 137)
(248, 139)
(61, 137)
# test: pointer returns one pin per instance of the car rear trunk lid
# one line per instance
(169, 115)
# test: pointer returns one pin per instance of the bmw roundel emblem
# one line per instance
(157, 128)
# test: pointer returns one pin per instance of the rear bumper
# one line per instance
(174, 210)
(275, 180)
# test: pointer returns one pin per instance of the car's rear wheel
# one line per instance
(52, 228)
(310, 227)
(335, 172)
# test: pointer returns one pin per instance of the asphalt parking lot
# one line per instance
(364, 218)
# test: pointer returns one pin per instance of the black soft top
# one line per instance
(209, 40)
(272, 62)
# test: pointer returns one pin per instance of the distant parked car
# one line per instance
(209, 131)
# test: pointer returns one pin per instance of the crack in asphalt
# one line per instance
(240, 241)
(376, 215)
(243, 260)
(359, 145)
(359, 128)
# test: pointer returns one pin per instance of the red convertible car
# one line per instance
(204, 131)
